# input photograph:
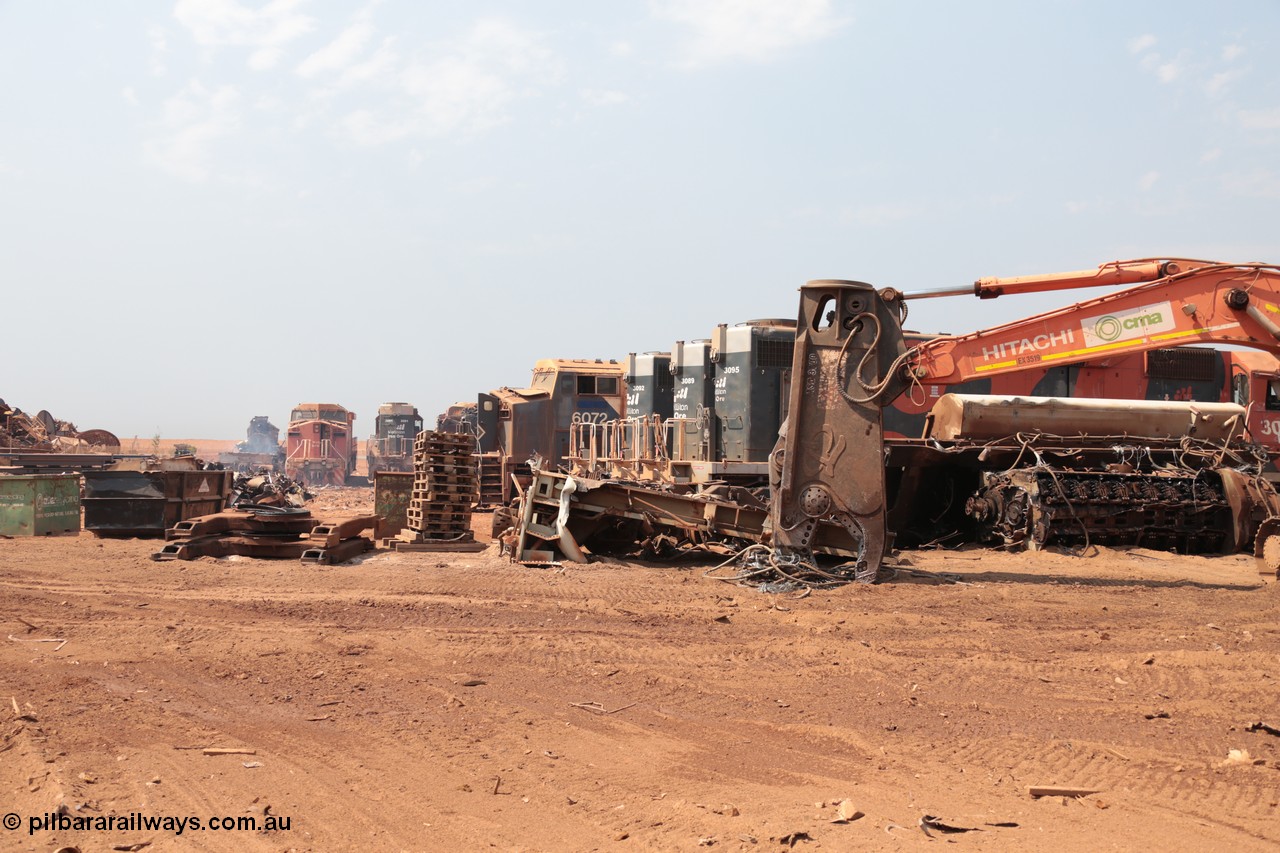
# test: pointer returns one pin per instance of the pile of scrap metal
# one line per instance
(1013, 471)
(177, 462)
(268, 532)
(1202, 494)
(267, 488)
(459, 418)
(569, 517)
(446, 482)
(260, 449)
(43, 432)
(182, 450)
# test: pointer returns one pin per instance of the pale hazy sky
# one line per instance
(214, 209)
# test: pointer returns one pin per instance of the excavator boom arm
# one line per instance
(1112, 274)
(1210, 303)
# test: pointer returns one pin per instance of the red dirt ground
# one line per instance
(459, 702)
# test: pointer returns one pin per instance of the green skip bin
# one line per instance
(39, 504)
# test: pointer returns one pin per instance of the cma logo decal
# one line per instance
(1127, 325)
(1109, 328)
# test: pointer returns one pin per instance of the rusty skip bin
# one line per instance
(146, 503)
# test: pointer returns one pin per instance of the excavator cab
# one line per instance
(1258, 390)
(1263, 416)
(1272, 402)
(1255, 384)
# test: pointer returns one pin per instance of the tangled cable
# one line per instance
(875, 390)
(760, 566)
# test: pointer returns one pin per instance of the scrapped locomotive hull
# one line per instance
(396, 464)
(320, 446)
(515, 425)
(983, 417)
(390, 448)
(246, 462)
(260, 449)
(317, 472)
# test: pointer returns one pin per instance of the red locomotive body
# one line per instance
(320, 448)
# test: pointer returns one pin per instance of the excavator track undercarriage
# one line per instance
(1171, 511)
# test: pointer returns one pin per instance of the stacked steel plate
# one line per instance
(267, 532)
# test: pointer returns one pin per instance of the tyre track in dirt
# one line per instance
(207, 711)
(914, 697)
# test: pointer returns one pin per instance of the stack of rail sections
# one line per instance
(264, 532)
(446, 485)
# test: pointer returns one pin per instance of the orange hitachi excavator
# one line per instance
(1174, 475)
(1171, 303)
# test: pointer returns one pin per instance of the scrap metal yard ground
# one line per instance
(459, 702)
